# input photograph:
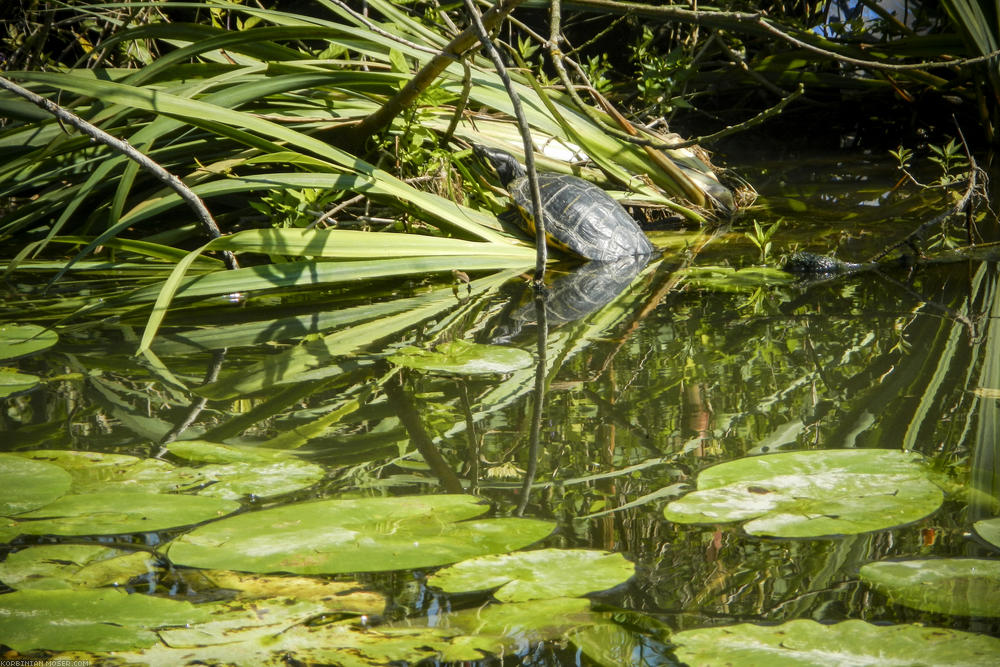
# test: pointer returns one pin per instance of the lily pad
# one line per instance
(114, 513)
(266, 632)
(15, 382)
(962, 586)
(534, 620)
(460, 357)
(213, 452)
(806, 642)
(262, 475)
(813, 493)
(534, 575)
(340, 596)
(26, 485)
(20, 340)
(989, 530)
(60, 566)
(97, 472)
(261, 480)
(357, 535)
(101, 620)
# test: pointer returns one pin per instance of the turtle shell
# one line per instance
(581, 218)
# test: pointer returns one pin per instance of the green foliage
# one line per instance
(661, 76)
(761, 237)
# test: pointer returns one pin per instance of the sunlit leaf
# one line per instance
(54, 566)
(962, 586)
(213, 452)
(19, 340)
(812, 493)
(459, 357)
(532, 575)
(26, 485)
(339, 596)
(15, 382)
(360, 535)
(101, 620)
(806, 642)
(115, 513)
(989, 530)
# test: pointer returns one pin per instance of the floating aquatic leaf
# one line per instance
(26, 485)
(812, 493)
(114, 513)
(342, 596)
(97, 472)
(261, 480)
(15, 382)
(262, 475)
(53, 566)
(989, 530)
(266, 632)
(534, 620)
(806, 642)
(357, 535)
(962, 586)
(101, 620)
(213, 452)
(460, 357)
(19, 340)
(533, 575)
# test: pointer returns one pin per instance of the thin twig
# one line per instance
(541, 254)
(123, 147)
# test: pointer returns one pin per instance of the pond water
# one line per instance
(653, 374)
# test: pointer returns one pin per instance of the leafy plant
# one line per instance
(761, 238)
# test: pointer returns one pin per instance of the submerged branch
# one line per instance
(123, 147)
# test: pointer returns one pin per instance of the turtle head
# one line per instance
(505, 164)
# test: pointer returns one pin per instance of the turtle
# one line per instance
(580, 218)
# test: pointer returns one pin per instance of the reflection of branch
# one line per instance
(123, 147)
(198, 404)
(538, 402)
(418, 436)
(958, 207)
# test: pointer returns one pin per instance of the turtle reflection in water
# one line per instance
(580, 218)
(587, 288)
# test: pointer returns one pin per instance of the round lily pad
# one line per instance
(213, 452)
(962, 586)
(55, 566)
(989, 530)
(101, 620)
(26, 485)
(534, 575)
(460, 357)
(114, 513)
(806, 642)
(19, 340)
(356, 535)
(813, 493)
(15, 382)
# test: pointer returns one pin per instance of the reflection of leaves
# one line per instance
(813, 493)
(532, 575)
(806, 642)
(358, 535)
(459, 357)
(965, 586)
